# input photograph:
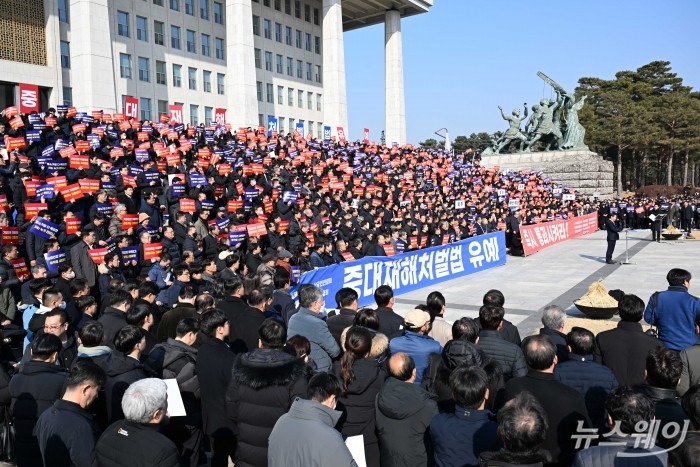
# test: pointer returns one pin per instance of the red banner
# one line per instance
(366, 135)
(131, 107)
(540, 236)
(175, 114)
(28, 98)
(341, 134)
(152, 250)
(220, 116)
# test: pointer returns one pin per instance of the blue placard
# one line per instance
(271, 126)
(207, 204)
(94, 140)
(141, 155)
(54, 259)
(44, 228)
(129, 254)
(300, 128)
(34, 119)
(56, 166)
(296, 274)
(251, 194)
(48, 151)
(33, 136)
(400, 246)
(152, 176)
(134, 170)
(104, 208)
(410, 271)
(45, 191)
(61, 143)
(223, 222)
(108, 185)
(326, 133)
(290, 196)
(198, 179)
(236, 238)
(177, 189)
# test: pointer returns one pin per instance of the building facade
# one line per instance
(257, 59)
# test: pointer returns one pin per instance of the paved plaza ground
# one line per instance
(561, 274)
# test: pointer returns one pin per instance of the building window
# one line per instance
(319, 129)
(317, 17)
(141, 28)
(266, 3)
(258, 86)
(65, 54)
(280, 125)
(175, 5)
(191, 42)
(318, 73)
(317, 44)
(218, 13)
(192, 78)
(160, 72)
(297, 37)
(145, 108)
(270, 96)
(219, 44)
(307, 42)
(267, 29)
(177, 75)
(208, 111)
(175, 37)
(221, 83)
(300, 99)
(280, 95)
(189, 7)
(63, 11)
(159, 31)
(278, 32)
(288, 35)
(278, 63)
(297, 9)
(123, 24)
(143, 70)
(256, 25)
(300, 69)
(310, 128)
(307, 13)
(290, 96)
(268, 61)
(67, 96)
(288, 7)
(308, 71)
(194, 118)
(290, 66)
(291, 124)
(310, 100)
(125, 66)
(278, 5)
(205, 45)
(258, 58)
(162, 107)
(206, 80)
(318, 103)
(204, 9)
(260, 120)
(158, 2)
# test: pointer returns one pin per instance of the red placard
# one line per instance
(98, 255)
(79, 162)
(10, 235)
(187, 205)
(72, 192)
(389, 249)
(173, 159)
(175, 112)
(71, 112)
(220, 116)
(82, 146)
(131, 107)
(4, 204)
(224, 169)
(68, 151)
(130, 221)
(310, 238)
(21, 269)
(28, 98)
(234, 205)
(89, 185)
(129, 180)
(257, 230)
(539, 236)
(341, 134)
(283, 226)
(32, 209)
(72, 225)
(152, 250)
(11, 111)
(31, 186)
(16, 122)
(15, 143)
(79, 128)
(347, 256)
(116, 153)
(58, 182)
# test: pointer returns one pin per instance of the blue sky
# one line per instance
(464, 58)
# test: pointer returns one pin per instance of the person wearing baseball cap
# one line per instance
(415, 341)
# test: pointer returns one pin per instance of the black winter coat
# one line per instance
(358, 405)
(34, 389)
(121, 372)
(136, 445)
(214, 364)
(244, 335)
(112, 321)
(390, 324)
(264, 383)
(624, 350)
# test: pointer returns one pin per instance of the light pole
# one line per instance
(446, 136)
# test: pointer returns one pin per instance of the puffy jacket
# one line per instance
(418, 346)
(121, 372)
(358, 405)
(508, 356)
(404, 411)
(136, 445)
(674, 311)
(592, 380)
(609, 455)
(462, 436)
(264, 384)
(312, 326)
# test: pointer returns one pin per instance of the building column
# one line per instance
(335, 101)
(92, 63)
(395, 109)
(241, 93)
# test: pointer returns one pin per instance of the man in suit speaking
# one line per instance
(614, 229)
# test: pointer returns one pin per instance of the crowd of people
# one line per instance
(134, 252)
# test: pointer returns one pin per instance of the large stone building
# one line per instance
(254, 58)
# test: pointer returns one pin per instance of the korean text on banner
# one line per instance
(410, 271)
(539, 236)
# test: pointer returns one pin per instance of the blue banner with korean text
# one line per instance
(409, 271)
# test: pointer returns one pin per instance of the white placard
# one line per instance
(176, 408)
(460, 204)
(514, 203)
(356, 445)
(521, 186)
(501, 192)
(556, 191)
(568, 197)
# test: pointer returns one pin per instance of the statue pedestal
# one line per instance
(580, 170)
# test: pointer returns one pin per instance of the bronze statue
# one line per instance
(513, 133)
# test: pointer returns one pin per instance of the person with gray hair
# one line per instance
(553, 319)
(136, 440)
(309, 322)
(115, 222)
